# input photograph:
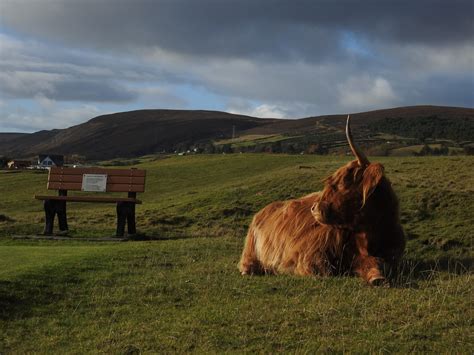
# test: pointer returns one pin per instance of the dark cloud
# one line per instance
(85, 90)
(274, 29)
(282, 57)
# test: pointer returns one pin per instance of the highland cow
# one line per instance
(350, 227)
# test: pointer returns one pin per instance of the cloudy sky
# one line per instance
(63, 62)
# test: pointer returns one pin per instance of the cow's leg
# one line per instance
(249, 263)
(369, 268)
(366, 266)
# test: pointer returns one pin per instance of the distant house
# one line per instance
(18, 164)
(49, 160)
(4, 162)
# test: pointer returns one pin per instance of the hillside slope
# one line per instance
(136, 133)
(129, 134)
(5, 137)
(309, 124)
(382, 132)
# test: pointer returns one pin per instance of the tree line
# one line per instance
(431, 127)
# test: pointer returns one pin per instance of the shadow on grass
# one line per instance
(145, 237)
(36, 292)
(411, 271)
(40, 291)
(112, 239)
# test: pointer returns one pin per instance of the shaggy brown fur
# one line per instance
(352, 226)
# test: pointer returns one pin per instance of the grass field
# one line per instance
(253, 139)
(178, 289)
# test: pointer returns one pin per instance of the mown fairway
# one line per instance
(178, 289)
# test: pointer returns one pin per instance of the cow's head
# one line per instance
(356, 194)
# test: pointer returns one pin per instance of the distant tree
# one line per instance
(4, 161)
(425, 150)
(288, 149)
(443, 150)
(322, 149)
(227, 148)
(469, 150)
(74, 158)
(427, 128)
(267, 148)
(276, 147)
(316, 148)
(182, 147)
(209, 148)
(312, 148)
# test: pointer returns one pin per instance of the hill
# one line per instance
(381, 132)
(130, 134)
(363, 118)
(5, 137)
(136, 133)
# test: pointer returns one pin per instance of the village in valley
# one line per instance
(44, 161)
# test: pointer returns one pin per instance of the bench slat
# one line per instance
(112, 179)
(77, 186)
(88, 199)
(111, 172)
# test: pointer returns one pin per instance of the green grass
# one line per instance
(182, 292)
(412, 150)
(249, 137)
(254, 139)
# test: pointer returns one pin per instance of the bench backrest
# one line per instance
(118, 180)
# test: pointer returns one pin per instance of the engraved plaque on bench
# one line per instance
(94, 182)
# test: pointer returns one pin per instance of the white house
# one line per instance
(49, 160)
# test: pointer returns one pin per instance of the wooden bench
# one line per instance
(93, 179)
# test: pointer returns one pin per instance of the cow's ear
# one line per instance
(372, 176)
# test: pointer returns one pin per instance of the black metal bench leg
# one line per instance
(125, 215)
(62, 216)
(132, 229)
(49, 211)
(121, 218)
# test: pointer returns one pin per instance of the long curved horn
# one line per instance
(361, 158)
